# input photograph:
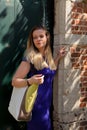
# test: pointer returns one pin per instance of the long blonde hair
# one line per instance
(33, 54)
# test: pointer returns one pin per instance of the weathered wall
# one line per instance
(70, 83)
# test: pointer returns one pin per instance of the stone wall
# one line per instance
(70, 83)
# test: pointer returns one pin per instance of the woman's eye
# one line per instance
(34, 37)
(41, 36)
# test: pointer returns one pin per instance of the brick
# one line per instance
(78, 49)
(84, 57)
(83, 99)
(74, 9)
(83, 73)
(82, 79)
(73, 59)
(75, 54)
(72, 49)
(84, 68)
(75, 32)
(76, 65)
(83, 28)
(75, 28)
(85, 10)
(79, 10)
(84, 16)
(80, 4)
(76, 16)
(79, 18)
(78, 22)
(81, 128)
(84, 84)
(84, 51)
(73, 22)
(85, 62)
(83, 123)
(85, 127)
(82, 89)
(84, 94)
(82, 104)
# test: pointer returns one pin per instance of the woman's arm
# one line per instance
(19, 79)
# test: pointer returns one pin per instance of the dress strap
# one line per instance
(24, 59)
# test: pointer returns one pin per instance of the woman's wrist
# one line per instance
(58, 55)
(28, 83)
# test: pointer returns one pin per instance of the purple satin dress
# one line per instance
(41, 111)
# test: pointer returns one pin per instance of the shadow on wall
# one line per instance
(12, 46)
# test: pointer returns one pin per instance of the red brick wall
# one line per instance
(79, 18)
(79, 61)
(79, 53)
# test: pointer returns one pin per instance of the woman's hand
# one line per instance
(61, 53)
(36, 79)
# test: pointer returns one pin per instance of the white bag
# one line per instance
(22, 102)
(16, 101)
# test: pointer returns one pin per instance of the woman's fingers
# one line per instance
(38, 79)
(62, 51)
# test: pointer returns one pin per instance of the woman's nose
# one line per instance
(38, 38)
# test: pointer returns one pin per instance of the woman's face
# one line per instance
(39, 39)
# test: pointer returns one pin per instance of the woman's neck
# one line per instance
(42, 52)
